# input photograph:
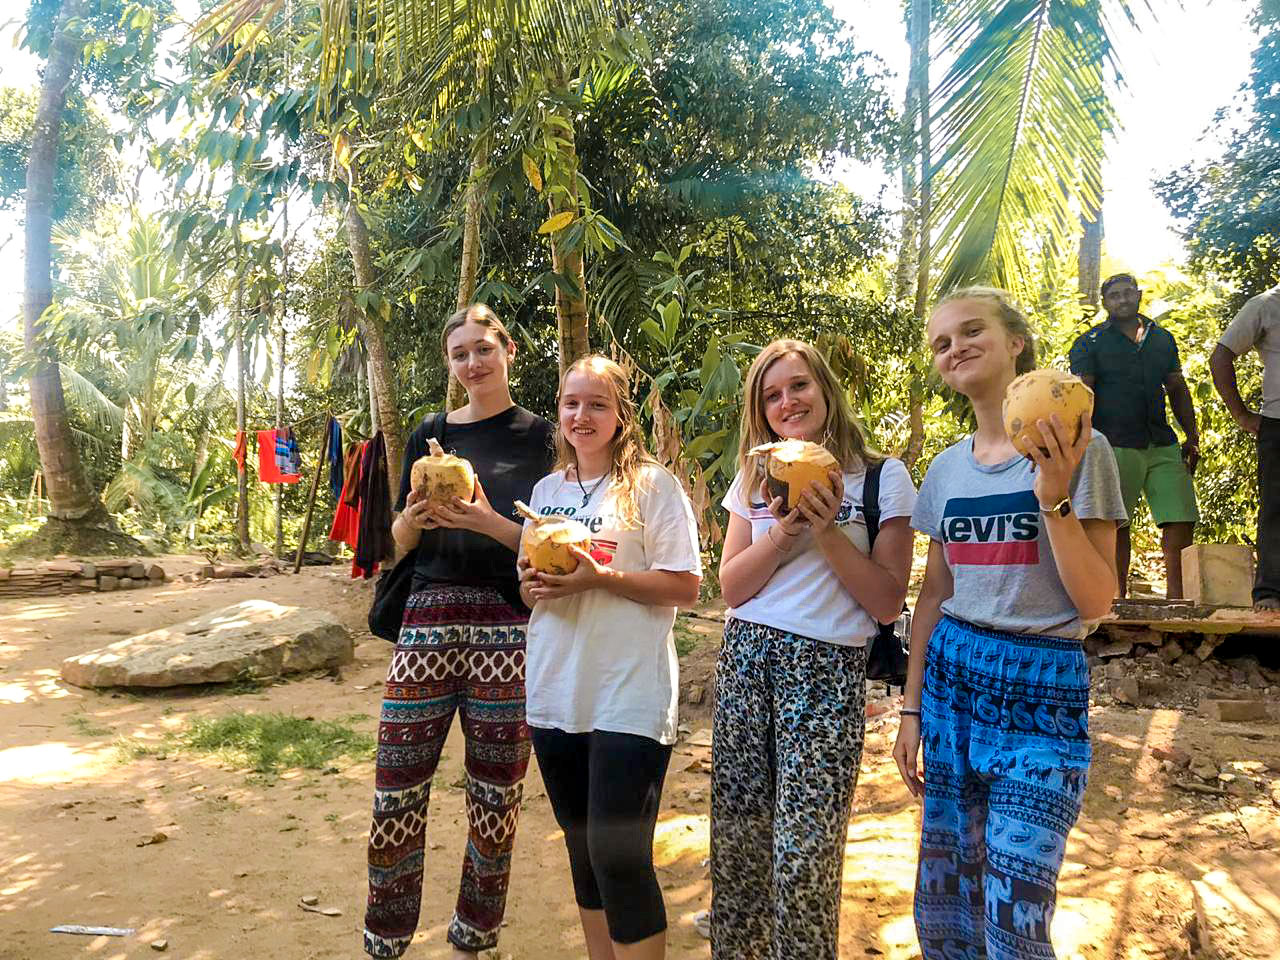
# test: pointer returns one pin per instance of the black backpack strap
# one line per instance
(437, 426)
(871, 503)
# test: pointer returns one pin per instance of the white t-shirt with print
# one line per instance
(804, 596)
(598, 661)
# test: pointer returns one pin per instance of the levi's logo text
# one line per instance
(999, 530)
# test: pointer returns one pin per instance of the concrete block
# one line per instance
(1220, 574)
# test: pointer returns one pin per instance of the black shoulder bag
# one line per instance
(887, 656)
(391, 591)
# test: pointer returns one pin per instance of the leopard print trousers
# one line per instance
(790, 714)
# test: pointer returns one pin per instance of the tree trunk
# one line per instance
(280, 426)
(470, 265)
(381, 369)
(67, 486)
(919, 82)
(571, 308)
(242, 474)
(915, 415)
(1091, 258)
(918, 87)
(905, 273)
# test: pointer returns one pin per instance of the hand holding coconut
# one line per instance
(587, 575)
(803, 486)
(476, 515)
(1046, 414)
(1056, 458)
(552, 553)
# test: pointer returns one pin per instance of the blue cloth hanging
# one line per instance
(335, 457)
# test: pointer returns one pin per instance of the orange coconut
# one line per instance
(439, 477)
(793, 466)
(1037, 396)
(548, 542)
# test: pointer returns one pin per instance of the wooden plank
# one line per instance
(1180, 616)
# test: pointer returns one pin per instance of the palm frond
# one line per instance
(1020, 123)
(442, 54)
(104, 412)
(718, 193)
(622, 285)
(138, 484)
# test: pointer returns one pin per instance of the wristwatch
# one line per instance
(1061, 508)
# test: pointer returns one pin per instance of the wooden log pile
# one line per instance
(61, 577)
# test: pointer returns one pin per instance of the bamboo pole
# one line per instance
(311, 497)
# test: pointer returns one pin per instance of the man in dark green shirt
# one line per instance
(1131, 362)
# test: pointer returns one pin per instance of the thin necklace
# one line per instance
(587, 494)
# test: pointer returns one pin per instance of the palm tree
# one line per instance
(70, 497)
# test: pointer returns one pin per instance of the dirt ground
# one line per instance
(240, 852)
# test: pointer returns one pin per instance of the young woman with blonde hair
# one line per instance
(805, 596)
(1021, 566)
(460, 649)
(602, 670)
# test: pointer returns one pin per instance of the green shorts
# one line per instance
(1160, 473)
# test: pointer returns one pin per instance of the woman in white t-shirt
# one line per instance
(805, 596)
(601, 678)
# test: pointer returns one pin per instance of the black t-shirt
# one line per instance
(510, 451)
(1128, 382)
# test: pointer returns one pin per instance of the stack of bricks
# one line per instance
(60, 577)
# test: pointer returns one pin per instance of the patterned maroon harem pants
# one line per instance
(461, 648)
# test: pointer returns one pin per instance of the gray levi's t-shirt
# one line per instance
(988, 521)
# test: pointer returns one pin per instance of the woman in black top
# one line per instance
(461, 647)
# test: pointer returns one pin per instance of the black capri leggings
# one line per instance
(604, 790)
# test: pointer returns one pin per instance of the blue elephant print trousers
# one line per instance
(1006, 754)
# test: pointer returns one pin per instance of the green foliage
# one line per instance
(686, 640)
(88, 168)
(265, 743)
(120, 41)
(87, 726)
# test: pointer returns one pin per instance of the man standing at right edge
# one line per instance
(1258, 325)
(1131, 363)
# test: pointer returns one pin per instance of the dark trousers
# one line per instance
(605, 789)
(1267, 584)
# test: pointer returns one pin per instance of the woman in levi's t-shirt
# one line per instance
(601, 675)
(1021, 567)
(805, 596)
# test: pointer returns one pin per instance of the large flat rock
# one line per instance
(254, 638)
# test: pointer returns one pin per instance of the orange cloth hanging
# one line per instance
(241, 450)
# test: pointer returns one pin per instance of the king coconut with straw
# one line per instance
(549, 541)
(1037, 396)
(793, 466)
(439, 477)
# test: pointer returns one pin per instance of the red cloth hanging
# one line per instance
(241, 451)
(268, 463)
(346, 518)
